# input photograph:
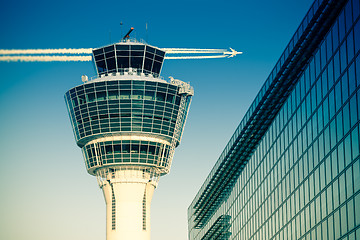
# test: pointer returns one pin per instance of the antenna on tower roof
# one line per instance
(127, 36)
(121, 24)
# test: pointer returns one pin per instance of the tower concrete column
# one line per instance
(128, 201)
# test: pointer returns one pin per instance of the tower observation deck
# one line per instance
(128, 121)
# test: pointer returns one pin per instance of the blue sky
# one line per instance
(46, 192)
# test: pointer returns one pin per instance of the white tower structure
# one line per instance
(128, 121)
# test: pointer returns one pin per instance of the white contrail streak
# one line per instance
(193, 49)
(45, 58)
(197, 57)
(193, 52)
(89, 51)
(46, 51)
(83, 54)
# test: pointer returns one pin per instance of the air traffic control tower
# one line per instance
(128, 121)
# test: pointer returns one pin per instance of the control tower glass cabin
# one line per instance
(128, 121)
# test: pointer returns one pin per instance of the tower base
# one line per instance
(128, 194)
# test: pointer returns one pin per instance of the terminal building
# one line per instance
(291, 170)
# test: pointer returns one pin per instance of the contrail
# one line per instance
(45, 58)
(46, 51)
(55, 58)
(193, 49)
(193, 52)
(197, 57)
(196, 51)
(89, 51)
(83, 54)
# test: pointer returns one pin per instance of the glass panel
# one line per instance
(137, 53)
(101, 66)
(156, 67)
(150, 49)
(111, 64)
(123, 62)
(122, 47)
(98, 51)
(137, 47)
(109, 48)
(136, 62)
(148, 64)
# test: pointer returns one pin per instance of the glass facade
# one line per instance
(127, 117)
(117, 57)
(301, 180)
(128, 151)
(148, 109)
(123, 105)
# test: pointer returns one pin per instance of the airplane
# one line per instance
(232, 53)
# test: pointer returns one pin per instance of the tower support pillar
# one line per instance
(128, 201)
